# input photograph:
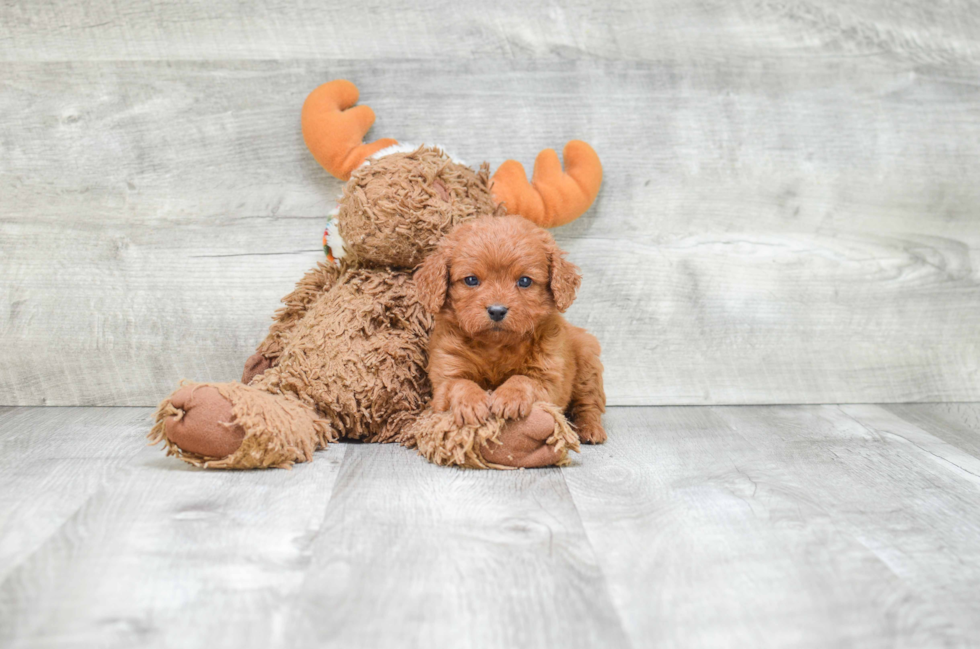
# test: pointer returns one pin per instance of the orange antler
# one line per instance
(552, 198)
(334, 131)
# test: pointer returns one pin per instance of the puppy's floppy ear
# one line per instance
(565, 278)
(432, 279)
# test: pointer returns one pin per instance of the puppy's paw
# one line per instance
(592, 433)
(469, 406)
(513, 399)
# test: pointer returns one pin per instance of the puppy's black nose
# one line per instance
(496, 312)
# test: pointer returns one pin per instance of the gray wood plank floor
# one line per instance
(709, 526)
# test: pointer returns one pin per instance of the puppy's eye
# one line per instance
(471, 280)
(524, 282)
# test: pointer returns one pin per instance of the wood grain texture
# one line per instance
(957, 424)
(51, 462)
(392, 551)
(414, 555)
(783, 526)
(792, 219)
(634, 30)
(158, 553)
(804, 526)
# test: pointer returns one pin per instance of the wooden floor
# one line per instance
(749, 526)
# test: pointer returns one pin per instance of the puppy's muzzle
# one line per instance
(497, 312)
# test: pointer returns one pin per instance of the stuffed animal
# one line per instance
(346, 355)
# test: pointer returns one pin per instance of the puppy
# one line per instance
(497, 286)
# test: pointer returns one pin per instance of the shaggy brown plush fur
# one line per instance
(346, 355)
(498, 285)
(396, 209)
(315, 283)
(543, 439)
(277, 431)
(355, 355)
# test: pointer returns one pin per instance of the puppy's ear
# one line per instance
(565, 278)
(432, 279)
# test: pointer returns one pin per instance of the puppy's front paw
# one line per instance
(469, 406)
(592, 433)
(513, 399)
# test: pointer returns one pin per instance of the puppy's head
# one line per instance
(497, 274)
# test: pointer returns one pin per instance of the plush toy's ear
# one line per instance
(552, 198)
(333, 131)
(432, 279)
(565, 278)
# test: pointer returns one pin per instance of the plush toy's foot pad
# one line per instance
(256, 365)
(236, 426)
(523, 443)
(203, 422)
(543, 438)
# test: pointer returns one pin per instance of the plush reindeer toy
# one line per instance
(346, 354)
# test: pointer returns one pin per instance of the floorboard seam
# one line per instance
(598, 564)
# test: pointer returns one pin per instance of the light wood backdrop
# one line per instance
(791, 210)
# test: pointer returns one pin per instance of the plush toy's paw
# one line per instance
(524, 443)
(202, 422)
(255, 365)
(513, 399)
(543, 438)
(469, 406)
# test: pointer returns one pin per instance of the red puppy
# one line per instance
(497, 286)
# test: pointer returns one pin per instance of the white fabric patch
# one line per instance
(332, 236)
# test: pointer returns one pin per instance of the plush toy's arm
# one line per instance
(316, 282)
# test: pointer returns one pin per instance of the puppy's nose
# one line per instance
(496, 312)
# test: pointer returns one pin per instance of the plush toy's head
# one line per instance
(400, 201)
(398, 206)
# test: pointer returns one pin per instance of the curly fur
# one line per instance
(440, 440)
(314, 283)
(397, 208)
(356, 355)
(347, 353)
(278, 432)
(480, 366)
